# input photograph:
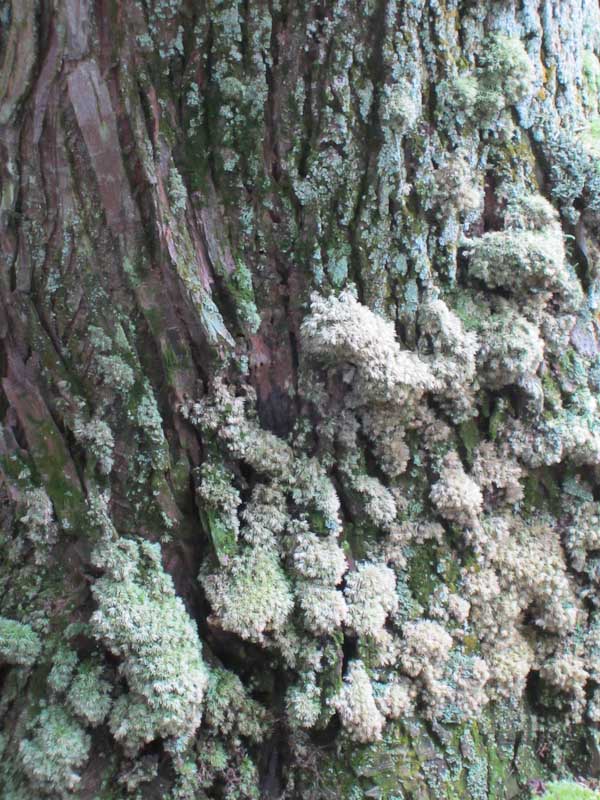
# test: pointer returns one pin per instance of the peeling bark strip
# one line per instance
(91, 102)
(77, 18)
(43, 440)
(19, 58)
(44, 83)
(300, 399)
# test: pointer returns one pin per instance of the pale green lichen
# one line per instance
(460, 390)
(19, 644)
(39, 522)
(63, 667)
(89, 693)
(528, 258)
(371, 596)
(97, 437)
(116, 373)
(177, 192)
(140, 619)
(512, 349)
(455, 495)
(252, 596)
(57, 748)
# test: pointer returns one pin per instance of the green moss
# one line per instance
(541, 491)
(347, 145)
(502, 410)
(505, 73)
(387, 770)
(229, 709)
(357, 536)
(422, 569)
(552, 394)
(498, 772)
(223, 537)
(470, 436)
(569, 791)
(591, 80)
(590, 138)
(171, 362)
(591, 69)
(54, 468)
(504, 77)
(219, 501)
(239, 284)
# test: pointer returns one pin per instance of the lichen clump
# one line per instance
(252, 596)
(19, 644)
(340, 329)
(288, 585)
(56, 749)
(141, 620)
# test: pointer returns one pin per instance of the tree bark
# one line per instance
(300, 366)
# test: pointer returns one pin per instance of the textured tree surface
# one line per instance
(300, 353)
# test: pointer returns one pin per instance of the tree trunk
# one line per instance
(300, 366)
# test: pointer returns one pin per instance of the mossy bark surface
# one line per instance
(300, 428)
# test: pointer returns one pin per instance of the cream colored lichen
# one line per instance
(342, 330)
(356, 706)
(455, 495)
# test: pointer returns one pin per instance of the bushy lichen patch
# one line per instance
(57, 748)
(141, 620)
(19, 644)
